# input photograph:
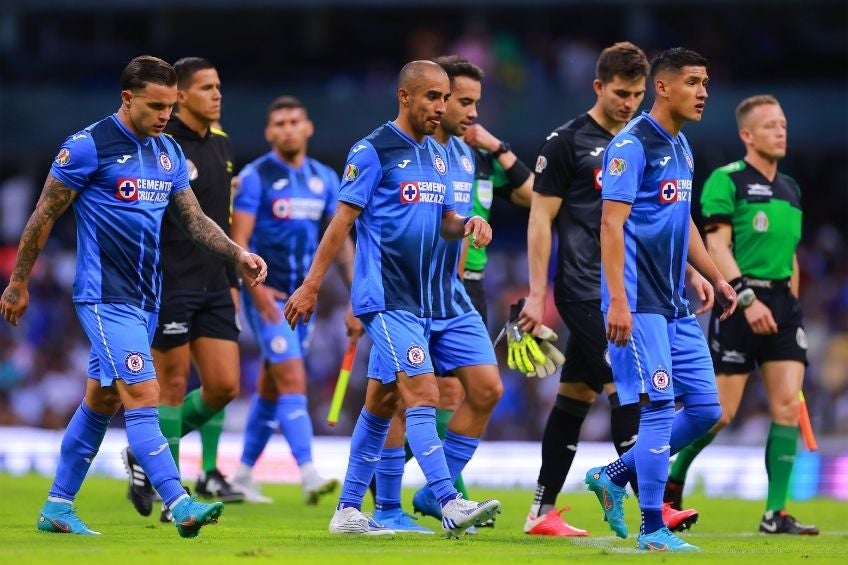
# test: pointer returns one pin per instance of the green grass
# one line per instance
(289, 532)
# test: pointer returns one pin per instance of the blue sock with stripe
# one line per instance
(428, 451)
(151, 449)
(260, 426)
(652, 451)
(366, 445)
(389, 478)
(458, 451)
(80, 443)
(296, 425)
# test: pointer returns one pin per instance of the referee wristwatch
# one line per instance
(502, 148)
(745, 298)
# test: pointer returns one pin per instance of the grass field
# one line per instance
(289, 532)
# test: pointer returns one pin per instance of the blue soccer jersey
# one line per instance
(123, 185)
(449, 295)
(288, 205)
(648, 168)
(403, 190)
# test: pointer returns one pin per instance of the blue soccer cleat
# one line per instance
(400, 522)
(611, 496)
(191, 515)
(61, 518)
(424, 502)
(664, 540)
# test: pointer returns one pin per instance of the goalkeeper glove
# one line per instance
(533, 356)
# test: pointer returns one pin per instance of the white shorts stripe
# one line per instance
(389, 341)
(105, 343)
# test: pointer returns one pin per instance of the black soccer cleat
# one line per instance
(214, 485)
(140, 491)
(782, 523)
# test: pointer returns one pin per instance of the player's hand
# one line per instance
(301, 304)
(619, 322)
(252, 267)
(267, 301)
(760, 318)
(479, 230)
(726, 297)
(479, 137)
(704, 290)
(353, 325)
(535, 356)
(531, 315)
(14, 302)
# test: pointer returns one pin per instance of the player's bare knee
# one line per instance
(786, 413)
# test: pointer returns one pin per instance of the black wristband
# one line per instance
(738, 284)
(502, 148)
(517, 173)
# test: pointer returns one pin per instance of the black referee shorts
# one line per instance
(187, 315)
(477, 294)
(736, 348)
(586, 353)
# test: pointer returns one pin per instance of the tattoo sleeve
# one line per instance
(54, 200)
(202, 229)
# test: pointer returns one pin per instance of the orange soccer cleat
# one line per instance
(678, 520)
(552, 524)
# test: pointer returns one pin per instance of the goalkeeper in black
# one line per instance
(567, 191)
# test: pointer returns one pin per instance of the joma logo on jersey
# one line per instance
(422, 191)
(675, 190)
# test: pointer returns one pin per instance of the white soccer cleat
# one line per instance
(317, 486)
(460, 514)
(352, 521)
(250, 489)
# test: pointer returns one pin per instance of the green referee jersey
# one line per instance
(489, 181)
(765, 216)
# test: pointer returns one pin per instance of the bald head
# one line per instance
(414, 73)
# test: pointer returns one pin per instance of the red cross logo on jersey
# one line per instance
(127, 190)
(597, 174)
(409, 192)
(668, 191)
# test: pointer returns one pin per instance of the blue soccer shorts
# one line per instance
(120, 337)
(400, 343)
(461, 341)
(667, 359)
(278, 342)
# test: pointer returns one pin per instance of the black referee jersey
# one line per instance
(210, 167)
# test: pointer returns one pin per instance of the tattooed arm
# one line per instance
(55, 199)
(209, 235)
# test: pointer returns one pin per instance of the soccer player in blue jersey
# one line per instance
(395, 188)
(459, 341)
(284, 199)
(120, 175)
(657, 349)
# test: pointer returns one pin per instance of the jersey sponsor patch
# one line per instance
(297, 208)
(541, 163)
(760, 222)
(617, 166)
(165, 161)
(439, 164)
(127, 189)
(134, 362)
(416, 355)
(668, 191)
(660, 379)
(597, 178)
(63, 157)
(409, 192)
(351, 172)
